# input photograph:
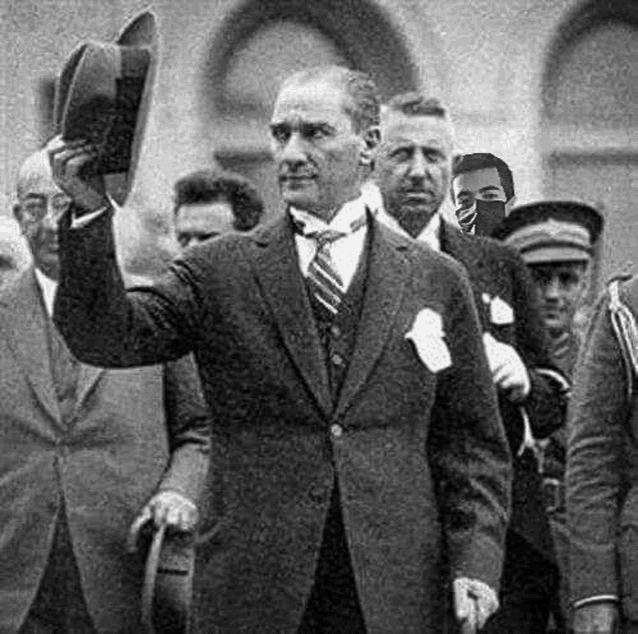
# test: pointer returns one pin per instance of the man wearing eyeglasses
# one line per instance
(86, 452)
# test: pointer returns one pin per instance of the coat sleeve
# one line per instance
(188, 424)
(598, 414)
(546, 403)
(469, 452)
(105, 325)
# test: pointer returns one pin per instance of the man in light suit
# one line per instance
(86, 452)
(413, 170)
(357, 441)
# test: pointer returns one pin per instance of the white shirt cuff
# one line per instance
(78, 222)
(599, 598)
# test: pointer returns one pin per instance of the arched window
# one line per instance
(262, 43)
(589, 124)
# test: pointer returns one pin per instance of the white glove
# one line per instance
(508, 370)
(474, 603)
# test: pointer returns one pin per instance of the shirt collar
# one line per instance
(430, 234)
(342, 221)
(48, 288)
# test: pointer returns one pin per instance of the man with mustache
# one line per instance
(87, 453)
(413, 169)
(357, 446)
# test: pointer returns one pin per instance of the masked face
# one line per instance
(413, 168)
(41, 204)
(561, 287)
(317, 151)
(483, 184)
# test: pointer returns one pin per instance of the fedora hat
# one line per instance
(168, 582)
(103, 95)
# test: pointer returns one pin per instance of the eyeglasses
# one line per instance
(35, 209)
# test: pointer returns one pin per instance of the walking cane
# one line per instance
(168, 583)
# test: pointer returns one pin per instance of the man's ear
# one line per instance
(371, 138)
(509, 205)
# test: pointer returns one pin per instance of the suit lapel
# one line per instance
(467, 251)
(25, 323)
(277, 268)
(89, 376)
(388, 271)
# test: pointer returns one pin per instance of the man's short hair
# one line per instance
(485, 160)
(417, 105)
(365, 105)
(208, 186)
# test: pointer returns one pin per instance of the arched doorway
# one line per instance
(589, 124)
(259, 44)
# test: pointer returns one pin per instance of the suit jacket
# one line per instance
(602, 467)
(132, 432)
(497, 271)
(420, 457)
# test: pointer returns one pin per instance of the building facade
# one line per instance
(546, 85)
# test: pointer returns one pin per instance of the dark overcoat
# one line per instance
(497, 271)
(127, 437)
(420, 457)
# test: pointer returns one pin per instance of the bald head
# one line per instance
(40, 205)
(35, 167)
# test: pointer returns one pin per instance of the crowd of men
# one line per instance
(363, 411)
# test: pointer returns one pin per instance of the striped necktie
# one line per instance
(323, 279)
(467, 218)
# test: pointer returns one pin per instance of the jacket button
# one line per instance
(335, 331)
(337, 359)
(336, 430)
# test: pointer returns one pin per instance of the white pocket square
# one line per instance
(501, 312)
(428, 338)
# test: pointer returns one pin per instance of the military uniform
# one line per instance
(555, 233)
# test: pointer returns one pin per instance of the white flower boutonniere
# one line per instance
(429, 340)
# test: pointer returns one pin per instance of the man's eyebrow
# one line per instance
(489, 188)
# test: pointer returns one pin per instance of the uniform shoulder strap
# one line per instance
(625, 328)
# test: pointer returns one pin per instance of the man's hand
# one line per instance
(508, 370)
(596, 618)
(67, 159)
(167, 507)
(474, 603)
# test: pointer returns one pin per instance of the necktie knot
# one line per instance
(325, 237)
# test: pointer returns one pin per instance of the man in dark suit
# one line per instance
(356, 439)
(413, 173)
(602, 469)
(86, 452)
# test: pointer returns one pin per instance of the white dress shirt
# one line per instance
(345, 252)
(48, 288)
(429, 235)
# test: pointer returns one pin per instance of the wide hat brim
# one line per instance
(103, 95)
(168, 583)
